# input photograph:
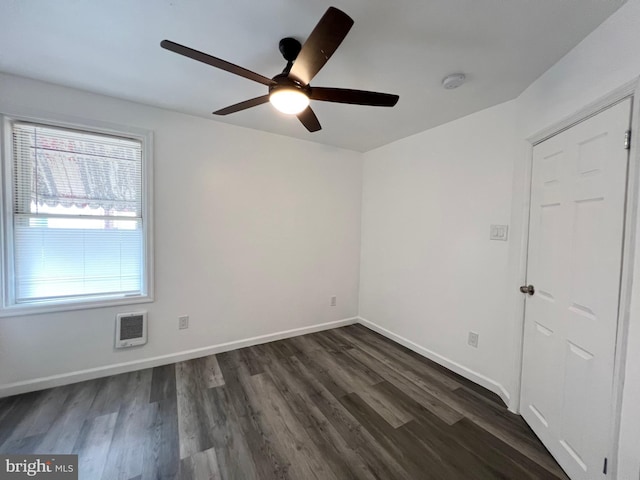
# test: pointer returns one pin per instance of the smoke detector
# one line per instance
(453, 81)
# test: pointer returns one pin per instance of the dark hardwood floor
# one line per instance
(340, 404)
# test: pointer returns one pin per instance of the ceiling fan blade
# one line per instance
(309, 120)
(356, 97)
(215, 62)
(254, 102)
(322, 42)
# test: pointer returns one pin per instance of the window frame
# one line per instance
(8, 305)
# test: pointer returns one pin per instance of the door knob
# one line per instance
(528, 289)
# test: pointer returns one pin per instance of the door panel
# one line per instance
(574, 262)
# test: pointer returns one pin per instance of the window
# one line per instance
(75, 226)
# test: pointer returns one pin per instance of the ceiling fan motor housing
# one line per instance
(283, 81)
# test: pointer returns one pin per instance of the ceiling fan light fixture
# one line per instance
(289, 100)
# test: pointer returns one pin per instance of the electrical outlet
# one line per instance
(473, 339)
(183, 322)
(499, 232)
(334, 301)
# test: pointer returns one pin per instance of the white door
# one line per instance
(574, 264)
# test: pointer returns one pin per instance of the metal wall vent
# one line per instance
(131, 329)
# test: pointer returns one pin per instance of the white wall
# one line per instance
(253, 234)
(429, 272)
(608, 58)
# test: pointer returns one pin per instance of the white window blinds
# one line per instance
(77, 214)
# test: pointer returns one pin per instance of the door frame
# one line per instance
(628, 90)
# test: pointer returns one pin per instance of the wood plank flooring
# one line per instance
(340, 404)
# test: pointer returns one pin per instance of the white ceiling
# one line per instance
(404, 47)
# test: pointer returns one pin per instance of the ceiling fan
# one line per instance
(289, 91)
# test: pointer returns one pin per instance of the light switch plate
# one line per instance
(499, 232)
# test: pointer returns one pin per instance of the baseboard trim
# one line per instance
(91, 373)
(466, 372)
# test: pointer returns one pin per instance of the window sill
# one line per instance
(40, 308)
